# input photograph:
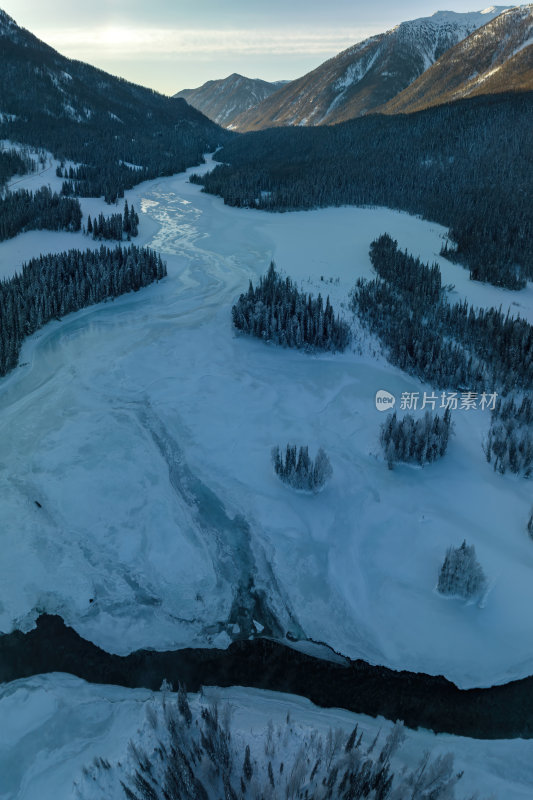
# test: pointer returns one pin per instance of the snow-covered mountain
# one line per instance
(223, 100)
(496, 58)
(366, 75)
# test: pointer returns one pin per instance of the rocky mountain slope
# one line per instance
(223, 100)
(496, 58)
(366, 75)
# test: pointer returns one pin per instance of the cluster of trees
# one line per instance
(299, 470)
(53, 285)
(277, 311)
(508, 274)
(196, 753)
(461, 574)
(418, 441)
(23, 211)
(509, 444)
(420, 282)
(109, 180)
(13, 162)
(116, 227)
(459, 164)
(446, 344)
(520, 410)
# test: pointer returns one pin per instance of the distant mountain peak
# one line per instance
(224, 99)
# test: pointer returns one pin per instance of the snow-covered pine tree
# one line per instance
(509, 443)
(213, 759)
(278, 312)
(322, 470)
(126, 226)
(134, 222)
(461, 574)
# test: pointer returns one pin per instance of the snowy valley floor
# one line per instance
(143, 427)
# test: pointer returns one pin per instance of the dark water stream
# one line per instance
(419, 700)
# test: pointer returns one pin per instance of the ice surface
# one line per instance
(143, 427)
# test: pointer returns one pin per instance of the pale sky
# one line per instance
(171, 45)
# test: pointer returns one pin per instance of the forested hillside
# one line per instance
(123, 133)
(467, 165)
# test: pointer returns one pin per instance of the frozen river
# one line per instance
(143, 428)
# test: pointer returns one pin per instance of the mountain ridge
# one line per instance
(367, 74)
(496, 58)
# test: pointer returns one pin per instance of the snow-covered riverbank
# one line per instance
(54, 726)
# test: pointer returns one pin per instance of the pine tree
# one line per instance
(126, 224)
(247, 769)
(183, 705)
(134, 222)
(461, 574)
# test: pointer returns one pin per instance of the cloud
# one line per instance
(121, 42)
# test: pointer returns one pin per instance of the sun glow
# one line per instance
(118, 37)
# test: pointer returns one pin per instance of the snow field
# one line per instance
(55, 725)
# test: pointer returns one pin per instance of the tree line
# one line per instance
(103, 149)
(53, 285)
(13, 162)
(40, 210)
(277, 311)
